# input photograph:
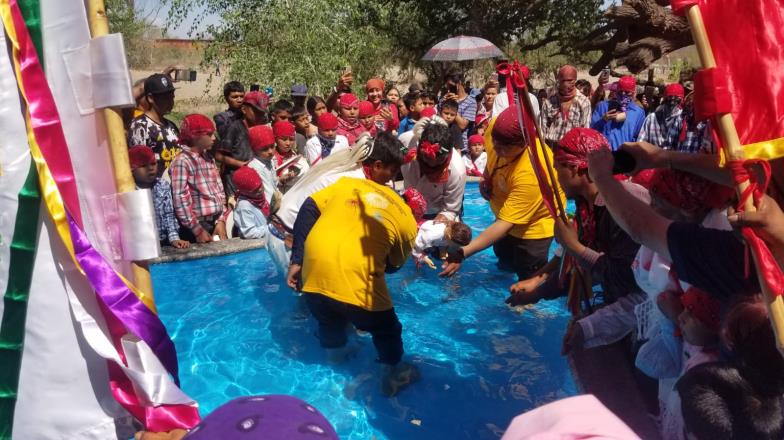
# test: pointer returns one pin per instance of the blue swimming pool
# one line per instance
(239, 331)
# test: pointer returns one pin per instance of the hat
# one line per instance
(260, 136)
(428, 112)
(299, 90)
(627, 84)
(327, 121)
(283, 129)
(703, 307)
(366, 109)
(476, 139)
(246, 179)
(256, 99)
(374, 83)
(347, 100)
(141, 155)
(264, 417)
(577, 143)
(157, 84)
(195, 125)
(674, 89)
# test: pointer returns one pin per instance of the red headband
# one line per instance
(506, 129)
(674, 89)
(703, 307)
(476, 139)
(246, 179)
(141, 155)
(327, 121)
(283, 129)
(366, 109)
(195, 125)
(374, 83)
(576, 144)
(628, 84)
(347, 100)
(260, 136)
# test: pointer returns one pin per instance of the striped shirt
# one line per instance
(197, 190)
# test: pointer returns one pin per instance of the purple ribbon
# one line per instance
(122, 302)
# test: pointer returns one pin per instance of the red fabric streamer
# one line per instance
(679, 6)
(429, 150)
(711, 94)
(515, 74)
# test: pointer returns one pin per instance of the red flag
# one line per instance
(747, 39)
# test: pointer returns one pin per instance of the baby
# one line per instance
(443, 235)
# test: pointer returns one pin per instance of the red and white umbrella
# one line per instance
(462, 48)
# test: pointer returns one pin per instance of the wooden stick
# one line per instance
(734, 151)
(118, 148)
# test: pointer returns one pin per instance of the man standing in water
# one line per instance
(345, 238)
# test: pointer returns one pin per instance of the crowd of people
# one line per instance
(311, 176)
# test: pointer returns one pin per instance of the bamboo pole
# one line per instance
(118, 148)
(734, 151)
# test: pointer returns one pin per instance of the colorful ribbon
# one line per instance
(125, 308)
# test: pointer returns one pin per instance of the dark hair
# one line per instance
(386, 148)
(461, 233)
(438, 134)
(282, 105)
(231, 87)
(432, 95)
(718, 402)
(313, 101)
(298, 112)
(450, 104)
(391, 87)
(580, 83)
(255, 87)
(410, 98)
(455, 76)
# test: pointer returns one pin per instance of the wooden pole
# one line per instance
(118, 148)
(734, 151)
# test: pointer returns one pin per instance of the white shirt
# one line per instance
(501, 103)
(313, 147)
(292, 201)
(268, 176)
(480, 163)
(430, 235)
(406, 137)
(442, 198)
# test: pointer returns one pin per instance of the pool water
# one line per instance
(240, 331)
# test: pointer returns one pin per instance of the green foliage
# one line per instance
(280, 42)
(123, 18)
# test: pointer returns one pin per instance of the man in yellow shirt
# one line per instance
(523, 230)
(346, 237)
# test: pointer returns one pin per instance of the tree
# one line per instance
(280, 42)
(551, 26)
(637, 33)
(125, 19)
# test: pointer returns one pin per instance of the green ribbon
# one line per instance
(20, 270)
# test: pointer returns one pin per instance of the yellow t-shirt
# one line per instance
(516, 197)
(363, 225)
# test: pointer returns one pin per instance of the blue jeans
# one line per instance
(333, 316)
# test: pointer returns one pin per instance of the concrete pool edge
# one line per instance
(170, 254)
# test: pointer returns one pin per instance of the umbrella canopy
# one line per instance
(462, 48)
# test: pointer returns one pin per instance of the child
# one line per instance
(262, 142)
(449, 114)
(144, 167)
(281, 110)
(288, 165)
(305, 130)
(414, 105)
(476, 159)
(429, 99)
(367, 118)
(197, 191)
(233, 92)
(250, 214)
(697, 316)
(234, 151)
(348, 123)
(326, 141)
(441, 235)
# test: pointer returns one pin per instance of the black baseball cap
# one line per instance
(157, 84)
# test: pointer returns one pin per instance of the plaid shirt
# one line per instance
(164, 211)
(655, 129)
(552, 119)
(197, 190)
(671, 134)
